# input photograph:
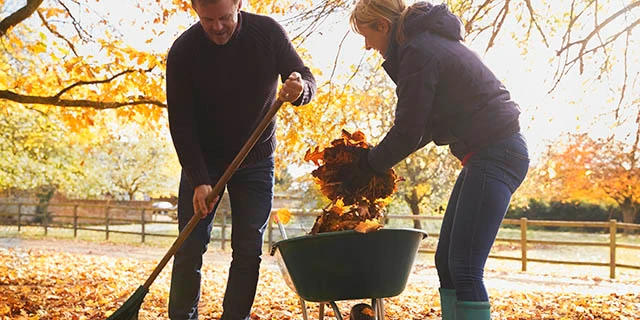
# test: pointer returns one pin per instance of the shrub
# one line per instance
(565, 211)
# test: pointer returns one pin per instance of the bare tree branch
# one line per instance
(76, 24)
(314, 18)
(568, 60)
(107, 80)
(603, 45)
(55, 101)
(469, 25)
(598, 27)
(497, 25)
(56, 33)
(534, 21)
(19, 16)
(335, 61)
(623, 91)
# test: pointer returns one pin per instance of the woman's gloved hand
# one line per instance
(360, 173)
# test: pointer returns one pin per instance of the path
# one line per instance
(500, 274)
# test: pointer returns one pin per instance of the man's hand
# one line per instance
(200, 205)
(292, 88)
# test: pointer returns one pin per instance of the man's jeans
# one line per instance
(477, 205)
(250, 194)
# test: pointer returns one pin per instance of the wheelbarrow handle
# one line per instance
(283, 233)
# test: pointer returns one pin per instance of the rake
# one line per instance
(129, 309)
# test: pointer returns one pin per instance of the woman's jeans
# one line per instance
(251, 195)
(478, 203)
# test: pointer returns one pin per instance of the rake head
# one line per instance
(129, 309)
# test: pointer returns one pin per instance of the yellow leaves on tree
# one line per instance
(360, 208)
(72, 71)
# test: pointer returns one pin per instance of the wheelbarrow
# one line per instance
(348, 265)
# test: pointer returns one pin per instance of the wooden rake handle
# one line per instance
(217, 189)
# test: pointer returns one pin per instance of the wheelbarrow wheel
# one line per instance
(362, 311)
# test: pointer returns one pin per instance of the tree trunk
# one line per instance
(628, 216)
(628, 212)
(44, 194)
(413, 202)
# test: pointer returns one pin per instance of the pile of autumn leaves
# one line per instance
(48, 285)
(360, 208)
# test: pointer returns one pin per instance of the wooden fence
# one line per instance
(24, 214)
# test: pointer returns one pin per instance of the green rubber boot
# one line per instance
(473, 310)
(448, 303)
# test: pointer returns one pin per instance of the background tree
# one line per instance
(429, 176)
(37, 152)
(590, 170)
(132, 164)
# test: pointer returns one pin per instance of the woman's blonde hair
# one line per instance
(367, 13)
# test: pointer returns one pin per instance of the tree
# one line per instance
(578, 31)
(131, 164)
(85, 56)
(77, 59)
(37, 152)
(592, 170)
(587, 30)
(65, 54)
(429, 176)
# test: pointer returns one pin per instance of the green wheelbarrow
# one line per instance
(348, 265)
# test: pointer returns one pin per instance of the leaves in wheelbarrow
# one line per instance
(334, 163)
(349, 207)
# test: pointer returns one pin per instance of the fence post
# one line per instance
(612, 248)
(75, 221)
(523, 242)
(19, 216)
(223, 230)
(106, 222)
(142, 221)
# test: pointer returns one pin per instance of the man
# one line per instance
(222, 77)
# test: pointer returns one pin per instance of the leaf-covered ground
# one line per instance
(71, 280)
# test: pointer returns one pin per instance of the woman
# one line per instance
(447, 95)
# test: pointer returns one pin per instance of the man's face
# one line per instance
(218, 19)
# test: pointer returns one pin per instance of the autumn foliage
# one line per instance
(48, 285)
(350, 208)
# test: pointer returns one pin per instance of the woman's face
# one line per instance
(376, 37)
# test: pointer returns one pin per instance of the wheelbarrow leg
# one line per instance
(378, 308)
(303, 306)
(336, 310)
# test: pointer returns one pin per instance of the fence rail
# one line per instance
(25, 214)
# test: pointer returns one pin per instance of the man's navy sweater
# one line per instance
(217, 94)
